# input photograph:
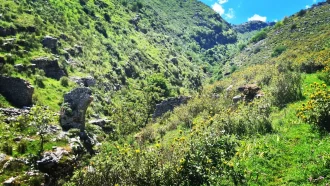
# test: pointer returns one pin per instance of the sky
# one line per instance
(240, 11)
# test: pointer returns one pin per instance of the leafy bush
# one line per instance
(293, 26)
(317, 110)
(325, 76)
(287, 87)
(203, 159)
(22, 147)
(278, 51)
(7, 148)
(301, 13)
(39, 81)
(259, 36)
(241, 46)
(64, 81)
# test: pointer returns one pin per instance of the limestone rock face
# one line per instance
(85, 81)
(50, 66)
(169, 105)
(249, 93)
(7, 31)
(17, 91)
(56, 164)
(74, 108)
(50, 42)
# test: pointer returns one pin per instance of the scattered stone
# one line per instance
(10, 182)
(135, 20)
(14, 163)
(19, 67)
(17, 91)
(50, 66)
(86, 81)
(13, 112)
(3, 159)
(50, 42)
(74, 108)
(228, 89)
(169, 105)
(99, 122)
(17, 139)
(238, 98)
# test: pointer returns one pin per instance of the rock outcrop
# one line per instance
(56, 164)
(169, 105)
(249, 92)
(4, 32)
(17, 91)
(85, 82)
(50, 43)
(50, 66)
(74, 108)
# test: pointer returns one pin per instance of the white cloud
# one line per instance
(307, 7)
(314, 1)
(218, 8)
(230, 14)
(222, 1)
(257, 17)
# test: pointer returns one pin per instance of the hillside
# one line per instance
(149, 92)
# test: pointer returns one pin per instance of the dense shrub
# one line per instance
(317, 110)
(203, 159)
(278, 51)
(241, 46)
(64, 81)
(286, 87)
(259, 36)
(302, 12)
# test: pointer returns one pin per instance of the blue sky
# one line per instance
(239, 11)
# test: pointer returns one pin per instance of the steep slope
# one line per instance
(301, 39)
(124, 39)
(131, 54)
(252, 26)
(265, 124)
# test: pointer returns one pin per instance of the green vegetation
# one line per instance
(259, 36)
(254, 126)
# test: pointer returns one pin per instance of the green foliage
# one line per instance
(279, 24)
(286, 86)
(202, 159)
(278, 51)
(301, 12)
(241, 46)
(64, 81)
(259, 36)
(317, 110)
(7, 148)
(7, 69)
(41, 117)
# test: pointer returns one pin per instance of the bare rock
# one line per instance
(169, 105)
(50, 42)
(85, 81)
(56, 164)
(10, 182)
(17, 91)
(74, 108)
(238, 98)
(50, 66)
(7, 31)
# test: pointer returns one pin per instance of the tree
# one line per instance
(41, 118)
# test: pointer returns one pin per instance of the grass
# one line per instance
(292, 155)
